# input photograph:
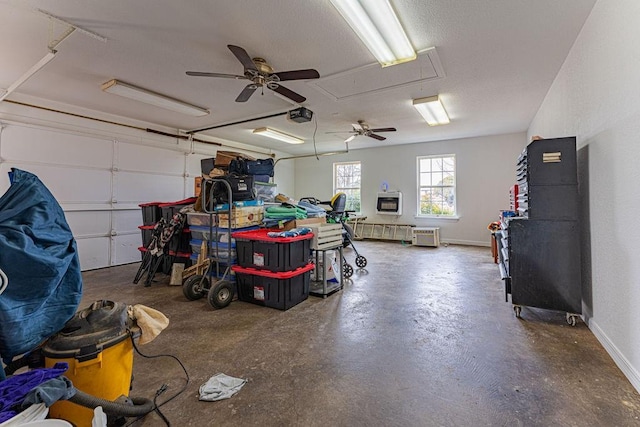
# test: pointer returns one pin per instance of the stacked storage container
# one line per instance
(178, 249)
(272, 271)
(221, 246)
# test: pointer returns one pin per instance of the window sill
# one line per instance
(437, 217)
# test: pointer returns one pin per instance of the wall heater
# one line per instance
(425, 236)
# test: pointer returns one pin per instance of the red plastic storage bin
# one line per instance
(280, 290)
(257, 250)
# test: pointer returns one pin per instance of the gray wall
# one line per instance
(485, 171)
(595, 97)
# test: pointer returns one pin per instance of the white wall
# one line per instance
(485, 171)
(596, 96)
(100, 172)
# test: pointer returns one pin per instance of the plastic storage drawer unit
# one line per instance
(280, 290)
(255, 249)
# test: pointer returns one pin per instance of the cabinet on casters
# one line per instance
(539, 251)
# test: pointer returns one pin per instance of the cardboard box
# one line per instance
(241, 217)
(197, 188)
(223, 158)
(307, 222)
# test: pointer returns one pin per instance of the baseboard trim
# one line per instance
(627, 369)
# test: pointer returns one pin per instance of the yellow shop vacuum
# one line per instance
(96, 343)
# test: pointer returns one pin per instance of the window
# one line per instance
(437, 186)
(346, 179)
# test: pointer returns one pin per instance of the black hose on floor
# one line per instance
(141, 406)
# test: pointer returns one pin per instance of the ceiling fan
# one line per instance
(260, 74)
(363, 129)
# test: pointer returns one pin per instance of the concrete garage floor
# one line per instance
(422, 337)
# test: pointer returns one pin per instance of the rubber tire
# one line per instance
(220, 294)
(192, 289)
(348, 270)
(361, 261)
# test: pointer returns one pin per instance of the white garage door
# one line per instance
(99, 182)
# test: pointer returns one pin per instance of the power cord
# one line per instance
(164, 387)
(315, 148)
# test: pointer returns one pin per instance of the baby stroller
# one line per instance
(338, 215)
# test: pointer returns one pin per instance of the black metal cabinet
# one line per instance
(539, 251)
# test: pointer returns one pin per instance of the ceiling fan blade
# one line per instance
(342, 131)
(351, 138)
(378, 137)
(383, 130)
(246, 93)
(243, 57)
(297, 75)
(296, 97)
(204, 74)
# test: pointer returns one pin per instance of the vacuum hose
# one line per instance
(141, 406)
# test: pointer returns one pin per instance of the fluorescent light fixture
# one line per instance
(377, 25)
(276, 134)
(432, 110)
(143, 95)
(44, 61)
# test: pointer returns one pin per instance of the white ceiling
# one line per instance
(497, 59)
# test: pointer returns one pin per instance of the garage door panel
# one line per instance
(94, 252)
(125, 249)
(89, 223)
(126, 221)
(194, 167)
(45, 146)
(140, 188)
(149, 159)
(62, 182)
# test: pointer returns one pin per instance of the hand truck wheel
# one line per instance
(220, 294)
(194, 287)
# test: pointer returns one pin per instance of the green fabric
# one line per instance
(285, 211)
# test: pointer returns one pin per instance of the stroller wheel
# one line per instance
(361, 261)
(221, 294)
(348, 270)
(193, 288)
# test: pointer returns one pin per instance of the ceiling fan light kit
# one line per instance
(126, 90)
(432, 110)
(379, 28)
(280, 136)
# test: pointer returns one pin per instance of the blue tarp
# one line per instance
(40, 259)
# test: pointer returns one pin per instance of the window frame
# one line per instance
(359, 188)
(453, 187)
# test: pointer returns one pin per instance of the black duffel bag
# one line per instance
(252, 167)
(242, 189)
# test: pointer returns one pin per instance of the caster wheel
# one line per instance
(571, 319)
(348, 271)
(220, 294)
(517, 310)
(194, 287)
(361, 261)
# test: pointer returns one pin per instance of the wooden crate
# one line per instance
(326, 236)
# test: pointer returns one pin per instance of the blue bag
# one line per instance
(39, 256)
